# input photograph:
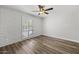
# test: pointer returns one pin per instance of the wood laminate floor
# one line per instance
(42, 45)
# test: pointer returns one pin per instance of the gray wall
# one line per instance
(63, 23)
(10, 26)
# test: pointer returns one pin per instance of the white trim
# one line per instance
(64, 38)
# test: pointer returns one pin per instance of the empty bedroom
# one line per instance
(39, 29)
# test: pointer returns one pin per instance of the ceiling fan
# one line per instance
(42, 10)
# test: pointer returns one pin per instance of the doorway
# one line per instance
(27, 27)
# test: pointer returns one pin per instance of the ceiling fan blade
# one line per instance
(49, 9)
(46, 12)
(40, 6)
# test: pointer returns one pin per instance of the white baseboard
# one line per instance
(73, 40)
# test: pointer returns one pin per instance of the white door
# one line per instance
(27, 28)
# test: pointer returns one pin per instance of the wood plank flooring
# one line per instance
(42, 45)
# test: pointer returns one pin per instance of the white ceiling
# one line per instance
(28, 9)
(58, 9)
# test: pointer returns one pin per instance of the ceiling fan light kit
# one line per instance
(42, 10)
